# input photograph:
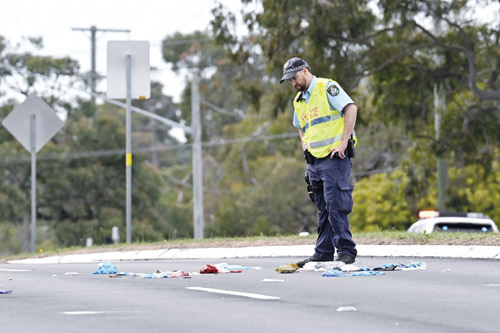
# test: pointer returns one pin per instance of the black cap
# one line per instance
(292, 66)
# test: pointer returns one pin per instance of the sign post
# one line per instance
(128, 149)
(128, 61)
(33, 123)
(33, 180)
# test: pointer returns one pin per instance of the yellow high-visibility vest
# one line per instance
(322, 128)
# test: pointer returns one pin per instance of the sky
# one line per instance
(150, 20)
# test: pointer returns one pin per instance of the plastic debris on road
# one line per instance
(331, 265)
(225, 268)
(366, 273)
(412, 266)
(121, 274)
(385, 267)
(289, 268)
(235, 267)
(5, 291)
(106, 268)
(353, 268)
(158, 275)
(208, 269)
(335, 273)
(322, 266)
(167, 274)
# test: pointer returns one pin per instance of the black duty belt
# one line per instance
(310, 158)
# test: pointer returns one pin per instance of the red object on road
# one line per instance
(209, 269)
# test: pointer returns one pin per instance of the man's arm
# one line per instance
(301, 134)
(350, 112)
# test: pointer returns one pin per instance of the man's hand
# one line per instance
(340, 150)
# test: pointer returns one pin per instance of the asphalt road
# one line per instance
(449, 296)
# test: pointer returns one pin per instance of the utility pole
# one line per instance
(93, 73)
(198, 219)
(439, 107)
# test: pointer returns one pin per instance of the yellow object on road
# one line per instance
(290, 268)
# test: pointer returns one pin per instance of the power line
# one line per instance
(221, 110)
(111, 152)
(16, 159)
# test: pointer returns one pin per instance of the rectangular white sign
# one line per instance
(139, 69)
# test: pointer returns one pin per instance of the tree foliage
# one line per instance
(392, 57)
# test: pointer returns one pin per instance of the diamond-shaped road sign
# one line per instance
(18, 122)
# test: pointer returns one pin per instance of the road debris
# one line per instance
(289, 268)
(335, 273)
(209, 269)
(338, 268)
(106, 268)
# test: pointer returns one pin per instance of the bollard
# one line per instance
(115, 235)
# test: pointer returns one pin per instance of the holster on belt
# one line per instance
(310, 191)
(309, 157)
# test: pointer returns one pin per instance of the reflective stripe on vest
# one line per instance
(321, 120)
(326, 142)
(322, 128)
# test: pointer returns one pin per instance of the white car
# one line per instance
(432, 221)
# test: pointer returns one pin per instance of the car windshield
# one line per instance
(462, 227)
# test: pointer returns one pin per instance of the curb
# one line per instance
(430, 251)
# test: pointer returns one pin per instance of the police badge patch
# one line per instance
(333, 90)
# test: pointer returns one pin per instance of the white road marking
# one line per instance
(234, 293)
(82, 312)
(15, 270)
(492, 285)
(346, 309)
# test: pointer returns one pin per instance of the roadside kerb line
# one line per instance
(234, 293)
(297, 251)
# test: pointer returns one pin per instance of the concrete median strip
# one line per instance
(416, 251)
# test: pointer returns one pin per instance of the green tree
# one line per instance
(80, 174)
(390, 58)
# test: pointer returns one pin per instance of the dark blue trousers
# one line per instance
(333, 197)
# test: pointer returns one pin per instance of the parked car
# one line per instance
(433, 221)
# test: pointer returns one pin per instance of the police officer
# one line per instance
(325, 117)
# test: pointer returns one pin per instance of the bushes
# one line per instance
(380, 203)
